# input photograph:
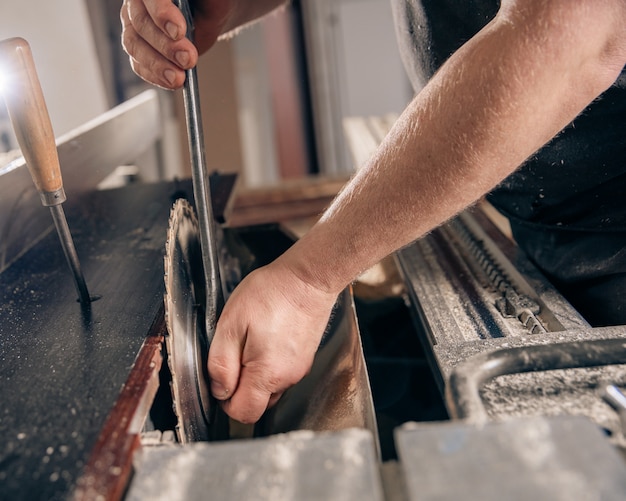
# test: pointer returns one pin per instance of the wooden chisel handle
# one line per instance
(33, 129)
(30, 118)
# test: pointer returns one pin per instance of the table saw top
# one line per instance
(61, 368)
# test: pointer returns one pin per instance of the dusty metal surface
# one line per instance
(524, 459)
(466, 288)
(473, 292)
(339, 466)
(468, 378)
(62, 371)
(548, 393)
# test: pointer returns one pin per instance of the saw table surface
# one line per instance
(61, 368)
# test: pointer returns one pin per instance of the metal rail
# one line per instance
(463, 388)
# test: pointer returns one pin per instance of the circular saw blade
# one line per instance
(186, 342)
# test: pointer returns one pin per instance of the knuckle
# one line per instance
(245, 417)
(296, 375)
(248, 411)
(137, 16)
(137, 68)
(128, 42)
(280, 377)
(219, 365)
(161, 12)
(143, 73)
(124, 14)
(293, 367)
(140, 20)
(233, 335)
(153, 66)
(273, 381)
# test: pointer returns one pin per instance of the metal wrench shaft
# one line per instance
(201, 189)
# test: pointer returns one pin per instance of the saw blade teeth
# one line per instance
(181, 251)
(170, 243)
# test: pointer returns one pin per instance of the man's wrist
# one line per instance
(317, 269)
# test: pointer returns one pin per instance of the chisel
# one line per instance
(29, 115)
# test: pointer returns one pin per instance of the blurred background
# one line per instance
(276, 99)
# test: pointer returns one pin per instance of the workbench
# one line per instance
(63, 367)
(78, 385)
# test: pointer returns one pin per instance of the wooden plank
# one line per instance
(497, 218)
(288, 201)
(365, 134)
(381, 125)
(361, 142)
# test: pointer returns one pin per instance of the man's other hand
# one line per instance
(266, 339)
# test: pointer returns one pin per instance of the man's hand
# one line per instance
(153, 35)
(266, 339)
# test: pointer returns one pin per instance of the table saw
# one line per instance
(485, 382)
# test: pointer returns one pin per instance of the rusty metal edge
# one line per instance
(109, 467)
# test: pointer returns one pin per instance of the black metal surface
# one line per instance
(403, 387)
(67, 243)
(462, 392)
(61, 370)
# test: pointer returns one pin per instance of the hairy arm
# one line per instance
(501, 97)
(492, 104)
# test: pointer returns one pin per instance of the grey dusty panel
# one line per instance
(301, 465)
(536, 459)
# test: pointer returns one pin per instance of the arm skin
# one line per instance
(496, 101)
(153, 34)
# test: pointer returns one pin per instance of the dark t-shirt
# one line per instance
(579, 178)
(567, 203)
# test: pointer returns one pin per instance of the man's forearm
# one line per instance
(496, 101)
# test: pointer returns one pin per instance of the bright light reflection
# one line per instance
(3, 80)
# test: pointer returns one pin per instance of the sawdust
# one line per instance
(281, 467)
(560, 392)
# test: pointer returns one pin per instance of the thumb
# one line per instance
(224, 362)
